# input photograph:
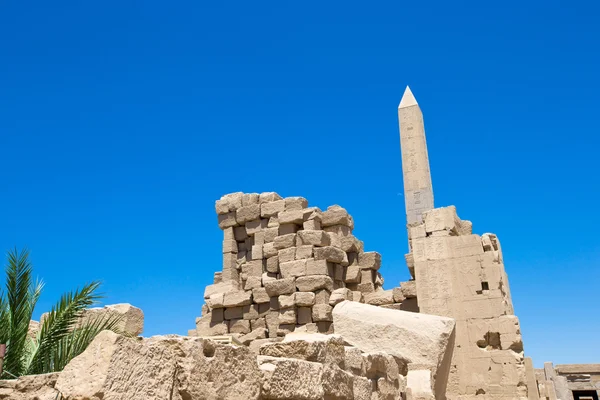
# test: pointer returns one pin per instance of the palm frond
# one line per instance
(20, 308)
(58, 324)
(4, 319)
(79, 339)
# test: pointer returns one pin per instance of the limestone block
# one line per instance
(267, 277)
(313, 237)
(267, 197)
(380, 297)
(352, 274)
(322, 312)
(352, 258)
(416, 338)
(409, 289)
(304, 299)
(277, 381)
(336, 215)
(311, 283)
(247, 213)
(287, 316)
(287, 229)
(295, 203)
(339, 295)
(441, 219)
(338, 274)
(222, 287)
(239, 326)
(331, 254)
(281, 286)
(304, 252)
(304, 315)
(273, 264)
(312, 225)
(272, 208)
(285, 241)
(322, 296)
(320, 267)
(292, 269)
(371, 260)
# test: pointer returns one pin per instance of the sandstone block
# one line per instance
(285, 329)
(357, 296)
(441, 219)
(352, 274)
(410, 337)
(239, 233)
(237, 298)
(295, 203)
(249, 199)
(256, 225)
(365, 287)
(280, 286)
(339, 295)
(371, 260)
(227, 220)
(272, 264)
(215, 301)
(292, 269)
(286, 255)
(257, 252)
(258, 323)
(350, 244)
(313, 237)
(267, 197)
(409, 289)
(253, 268)
(398, 295)
(320, 267)
(206, 327)
(259, 295)
(285, 241)
(367, 276)
(272, 208)
(336, 215)
(380, 297)
(312, 283)
(253, 282)
(304, 252)
(322, 296)
(222, 287)
(337, 383)
(272, 321)
(420, 384)
(234, 313)
(255, 334)
(322, 312)
(269, 250)
(362, 388)
(273, 222)
(304, 299)
(331, 254)
(312, 225)
(250, 312)
(291, 217)
(325, 349)
(239, 326)
(287, 316)
(158, 367)
(271, 234)
(304, 315)
(247, 213)
(287, 229)
(325, 327)
(278, 384)
(286, 300)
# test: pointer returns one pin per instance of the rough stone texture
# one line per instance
(161, 367)
(36, 387)
(408, 337)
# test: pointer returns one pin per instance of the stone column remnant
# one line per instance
(418, 191)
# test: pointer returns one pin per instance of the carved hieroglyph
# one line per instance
(418, 191)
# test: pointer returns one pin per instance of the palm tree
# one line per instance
(61, 336)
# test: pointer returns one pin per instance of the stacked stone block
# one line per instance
(285, 266)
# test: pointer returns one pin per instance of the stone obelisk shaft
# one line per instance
(418, 191)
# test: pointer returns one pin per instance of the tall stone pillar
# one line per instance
(418, 191)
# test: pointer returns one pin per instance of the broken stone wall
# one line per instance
(285, 265)
(461, 275)
(560, 381)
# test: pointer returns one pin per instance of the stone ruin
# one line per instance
(285, 266)
(299, 311)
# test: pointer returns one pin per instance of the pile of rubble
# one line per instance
(285, 266)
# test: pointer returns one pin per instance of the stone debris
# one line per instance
(288, 258)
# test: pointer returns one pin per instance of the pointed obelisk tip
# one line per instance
(408, 99)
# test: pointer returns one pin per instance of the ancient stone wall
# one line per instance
(285, 265)
(461, 275)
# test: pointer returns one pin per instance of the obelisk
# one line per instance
(418, 192)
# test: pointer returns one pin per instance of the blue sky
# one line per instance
(122, 122)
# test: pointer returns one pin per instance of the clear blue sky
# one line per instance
(122, 122)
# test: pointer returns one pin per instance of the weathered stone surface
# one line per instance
(36, 387)
(131, 319)
(280, 286)
(314, 237)
(285, 241)
(331, 254)
(288, 378)
(272, 208)
(227, 220)
(371, 260)
(304, 299)
(292, 269)
(380, 297)
(268, 197)
(336, 215)
(295, 203)
(409, 289)
(312, 283)
(237, 298)
(247, 213)
(415, 338)
(339, 295)
(320, 267)
(322, 312)
(160, 367)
